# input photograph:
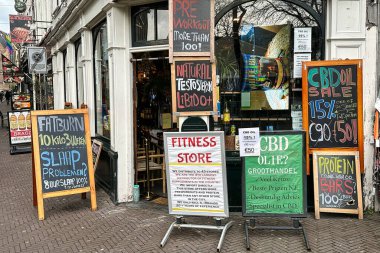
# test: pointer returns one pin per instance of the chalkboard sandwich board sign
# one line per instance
(337, 182)
(274, 183)
(62, 155)
(191, 27)
(193, 87)
(333, 116)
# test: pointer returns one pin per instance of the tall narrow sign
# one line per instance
(333, 116)
(191, 26)
(62, 155)
(337, 183)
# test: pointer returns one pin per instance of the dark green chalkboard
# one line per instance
(62, 152)
(274, 183)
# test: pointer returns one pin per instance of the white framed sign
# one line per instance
(19, 127)
(298, 59)
(249, 141)
(302, 39)
(37, 60)
(196, 173)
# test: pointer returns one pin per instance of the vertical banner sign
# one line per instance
(11, 73)
(194, 86)
(191, 26)
(196, 174)
(62, 150)
(19, 127)
(337, 182)
(333, 115)
(275, 181)
(19, 27)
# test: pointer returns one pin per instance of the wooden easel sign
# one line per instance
(62, 155)
(333, 106)
(337, 183)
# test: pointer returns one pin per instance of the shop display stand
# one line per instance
(297, 225)
(180, 223)
(17, 149)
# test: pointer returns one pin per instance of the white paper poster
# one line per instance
(249, 141)
(302, 39)
(197, 183)
(298, 59)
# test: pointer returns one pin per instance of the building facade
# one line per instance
(112, 56)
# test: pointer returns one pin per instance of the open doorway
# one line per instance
(152, 116)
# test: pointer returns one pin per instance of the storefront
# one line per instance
(113, 58)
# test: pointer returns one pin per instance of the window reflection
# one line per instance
(102, 85)
(79, 64)
(151, 24)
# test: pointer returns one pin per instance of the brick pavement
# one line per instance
(70, 226)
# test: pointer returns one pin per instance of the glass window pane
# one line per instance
(102, 83)
(145, 26)
(162, 24)
(66, 63)
(80, 85)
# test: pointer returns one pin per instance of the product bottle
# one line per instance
(13, 122)
(226, 118)
(226, 113)
(21, 121)
(28, 122)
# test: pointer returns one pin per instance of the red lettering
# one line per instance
(194, 158)
(313, 92)
(346, 91)
(339, 184)
(348, 186)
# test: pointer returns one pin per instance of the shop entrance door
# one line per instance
(152, 116)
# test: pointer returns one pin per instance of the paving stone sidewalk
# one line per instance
(70, 226)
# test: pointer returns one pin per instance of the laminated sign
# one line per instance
(275, 181)
(195, 165)
(37, 60)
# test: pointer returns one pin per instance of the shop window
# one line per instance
(255, 56)
(65, 75)
(79, 73)
(102, 84)
(150, 24)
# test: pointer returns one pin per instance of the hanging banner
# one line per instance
(19, 27)
(11, 72)
(274, 183)
(196, 173)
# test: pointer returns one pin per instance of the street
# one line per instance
(70, 226)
